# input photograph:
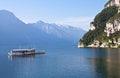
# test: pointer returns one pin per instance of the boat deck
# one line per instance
(37, 53)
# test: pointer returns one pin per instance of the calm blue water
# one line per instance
(61, 62)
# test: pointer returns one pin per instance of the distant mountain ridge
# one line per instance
(14, 31)
(63, 32)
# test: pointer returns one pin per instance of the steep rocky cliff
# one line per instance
(112, 3)
(105, 28)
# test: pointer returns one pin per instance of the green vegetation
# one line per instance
(100, 22)
(114, 18)
(88, 37)
(118, 46)
(115, 35)
(103, 17)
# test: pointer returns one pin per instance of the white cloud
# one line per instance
(82, 22)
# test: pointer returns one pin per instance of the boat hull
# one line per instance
(19, 54)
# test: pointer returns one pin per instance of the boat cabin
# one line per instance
(22, 51)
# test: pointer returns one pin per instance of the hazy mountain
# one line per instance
(14, 31)
(63, 32)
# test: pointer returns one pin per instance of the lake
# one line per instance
(61, 62)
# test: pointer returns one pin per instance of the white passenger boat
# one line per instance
(30, 51)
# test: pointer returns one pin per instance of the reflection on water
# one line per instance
(107, 66)
(29, 57)
(62, 63)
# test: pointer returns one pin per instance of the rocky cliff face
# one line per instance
(112, 3)
(105, 28)
(112, 27)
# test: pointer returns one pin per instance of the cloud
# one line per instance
(81, 22)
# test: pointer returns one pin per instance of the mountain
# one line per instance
(68, 33)
(11, 28)
(105, 28)
(15, 32)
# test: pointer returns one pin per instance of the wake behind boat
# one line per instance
(18, 52)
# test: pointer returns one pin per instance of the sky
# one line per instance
(78, 13)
